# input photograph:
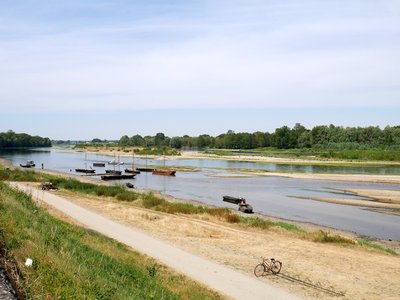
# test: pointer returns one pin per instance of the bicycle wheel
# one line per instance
(259, 270)
(276, 267)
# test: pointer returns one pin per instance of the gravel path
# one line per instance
(216, 276)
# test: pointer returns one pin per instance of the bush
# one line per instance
(232, 218)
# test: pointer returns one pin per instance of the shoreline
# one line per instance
(308, 226)
(228, 244)
(373, 178)
(376, 194)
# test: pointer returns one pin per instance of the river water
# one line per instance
(273, 196)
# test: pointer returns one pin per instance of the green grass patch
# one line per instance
(326, 237)
(289, 227)
(377, 247)
(118, 192)
(70, 262)
(20, 175)
(256, 222)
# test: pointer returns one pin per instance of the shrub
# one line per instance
(232, 218)
(326, 237)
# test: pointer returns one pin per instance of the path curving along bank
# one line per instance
(227, 281)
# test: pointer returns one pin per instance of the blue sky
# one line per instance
(85, 69)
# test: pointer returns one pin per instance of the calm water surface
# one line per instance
(267, 195)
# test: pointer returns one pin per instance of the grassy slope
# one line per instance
(74, 263)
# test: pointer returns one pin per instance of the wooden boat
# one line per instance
(130, 185)
(117, 177)
(99, 164)
(145, 169)
(241, 202)
(164, 172)
(85, 171)
(233, 200)
(113, 172)
(132, 171)
(29, 164)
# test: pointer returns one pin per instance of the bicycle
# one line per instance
(268, 265)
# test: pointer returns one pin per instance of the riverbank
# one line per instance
(340, 268)
(228, 244)
(393, 179)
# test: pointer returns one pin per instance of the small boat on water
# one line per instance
(117, 177)
(87, 171)
(241, 202)
(164, 172)
(132, 171)
(145, 169)
(99, 164)
(114, 172)
(29, 164)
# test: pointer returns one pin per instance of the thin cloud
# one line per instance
(300, 55)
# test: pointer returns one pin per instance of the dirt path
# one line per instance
(217, 276)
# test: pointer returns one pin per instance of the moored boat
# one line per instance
(132, 171)
(145, 169)
(241, 202)
(164, 172)
(29, 164)
(117, 177)
(114, 172)
(85, 171)
(234, 200)
(99, 164)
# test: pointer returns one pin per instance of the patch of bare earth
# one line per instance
(358, 273)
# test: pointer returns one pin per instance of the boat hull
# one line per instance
(113, 172)
(145, 169)
(91, 171)
(164, 172)
(117, 177)
(132, 171)
(99, 164)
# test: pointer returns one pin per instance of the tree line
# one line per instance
(298, 137)
(10, 139)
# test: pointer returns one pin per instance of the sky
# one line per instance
(102, 69)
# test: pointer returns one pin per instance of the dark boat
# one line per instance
(29, 164)
(164, 172)
(99, 164)
(117, 177)
(130, 185)
(85, 171)
(145, 169)
(132, 171)
(233, 200)
(114, 172)
(241, 202)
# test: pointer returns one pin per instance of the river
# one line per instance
(272, 196)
